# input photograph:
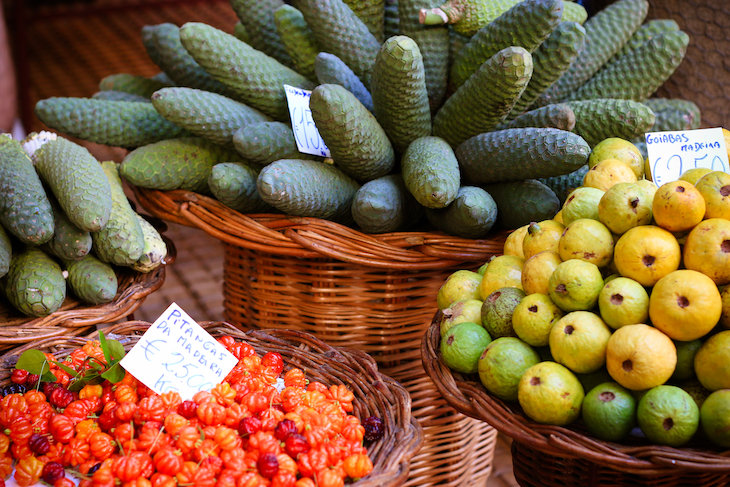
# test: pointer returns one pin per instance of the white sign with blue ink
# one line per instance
(177, 354)
(305, 132)
(673, 153)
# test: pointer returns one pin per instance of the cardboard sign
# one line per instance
(177, 354)
(305, 132)
(673, 153)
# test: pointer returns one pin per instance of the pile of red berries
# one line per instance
(245, 432)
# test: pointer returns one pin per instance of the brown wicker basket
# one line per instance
(77, 318)
(375, 393)
(547, 456)
(704, 75)
(372, 293)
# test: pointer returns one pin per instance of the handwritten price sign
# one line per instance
(673, 153)
(177, 354)
(305, 132)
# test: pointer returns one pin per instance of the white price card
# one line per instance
(673, 153)
(177, 354)
(305, 132)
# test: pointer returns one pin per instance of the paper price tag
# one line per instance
(177, 354)
(673, 153)
(305, 132)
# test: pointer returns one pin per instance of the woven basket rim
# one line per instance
(375, 392)
(317, 238)
(469, 397)
(76, 317)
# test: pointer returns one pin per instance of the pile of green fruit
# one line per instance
(65, 222)
(616, 311)
(455, 121)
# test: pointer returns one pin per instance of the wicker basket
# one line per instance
(547, 456)
(372, 293)
(375, 393)
(77, 318)
(704, 75)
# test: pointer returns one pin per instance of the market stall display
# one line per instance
(300, 358)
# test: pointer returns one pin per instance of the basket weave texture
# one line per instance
(375, 394)
(372, 293)
(77, 318)
(546, 455)
(704, 75)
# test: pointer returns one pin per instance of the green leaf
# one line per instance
(48, 377)
(117, 351)
(34, 361)
(115, 373)
(76, 385)
(68, 369)
(104, 347)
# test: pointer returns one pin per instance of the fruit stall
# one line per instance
(445, 227)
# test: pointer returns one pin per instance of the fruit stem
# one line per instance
(432, 16)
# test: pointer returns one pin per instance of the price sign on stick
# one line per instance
(177, 354)
(673, 153)
(305, 132)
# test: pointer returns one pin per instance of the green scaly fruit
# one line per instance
(391, 20)
(596, 120)
(527, 25)
(77, 180)
(25, 210)
(687, 106)
(121, 241)
(265, 142)
(205, 114)
(648, 30)
(385, 205)
(155, 249)
(164, 78)
(471, 215)
(456, 43)
(257, 16)
(466, 16)
(69, 242)
(6, 251)
(357, 142)
(119, 96)
(91, 280)
(434, 44)
(399, 92)
(131, 83)
(234, 185)
(672, 120)
(34, 284)
(297, 39)
(372, 13)
(340, 32)
(308, 188)
(431, 172)
(125, 124)
(240, 32)
(522, 202)
(606, 33)
(639, 73)
(255, 78)
(550, 61)
(331, 70)
(162, 43)
(563, 185)
(175, 164)
(574, 12)
(493, 157)
(486, 98)
(559, 116)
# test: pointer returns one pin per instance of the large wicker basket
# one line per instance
(375, 394)
(372, 293)
(77, 318)
(552, 456)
